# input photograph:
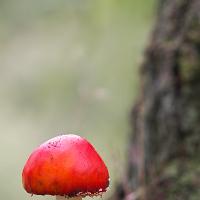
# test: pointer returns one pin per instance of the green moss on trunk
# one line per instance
(165, 144)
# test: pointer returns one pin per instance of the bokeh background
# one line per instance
(68, 67)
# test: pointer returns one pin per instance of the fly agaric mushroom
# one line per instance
(67, 166)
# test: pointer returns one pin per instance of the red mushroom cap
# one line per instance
(66, 165)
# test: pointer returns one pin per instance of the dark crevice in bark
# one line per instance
(165, 118)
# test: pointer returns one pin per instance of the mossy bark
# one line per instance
(164, 149)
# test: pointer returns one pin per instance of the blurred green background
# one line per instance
(68, 67)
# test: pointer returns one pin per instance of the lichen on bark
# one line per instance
(164, 147)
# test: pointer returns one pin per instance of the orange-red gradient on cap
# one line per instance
(65, 165)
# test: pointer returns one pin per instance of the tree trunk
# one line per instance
(164, 149)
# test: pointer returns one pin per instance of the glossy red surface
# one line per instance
(65, 165)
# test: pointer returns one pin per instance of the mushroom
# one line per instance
(67, 166)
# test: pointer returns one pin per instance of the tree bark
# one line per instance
(164, 150)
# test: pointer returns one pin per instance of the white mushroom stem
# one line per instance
(65, 198)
